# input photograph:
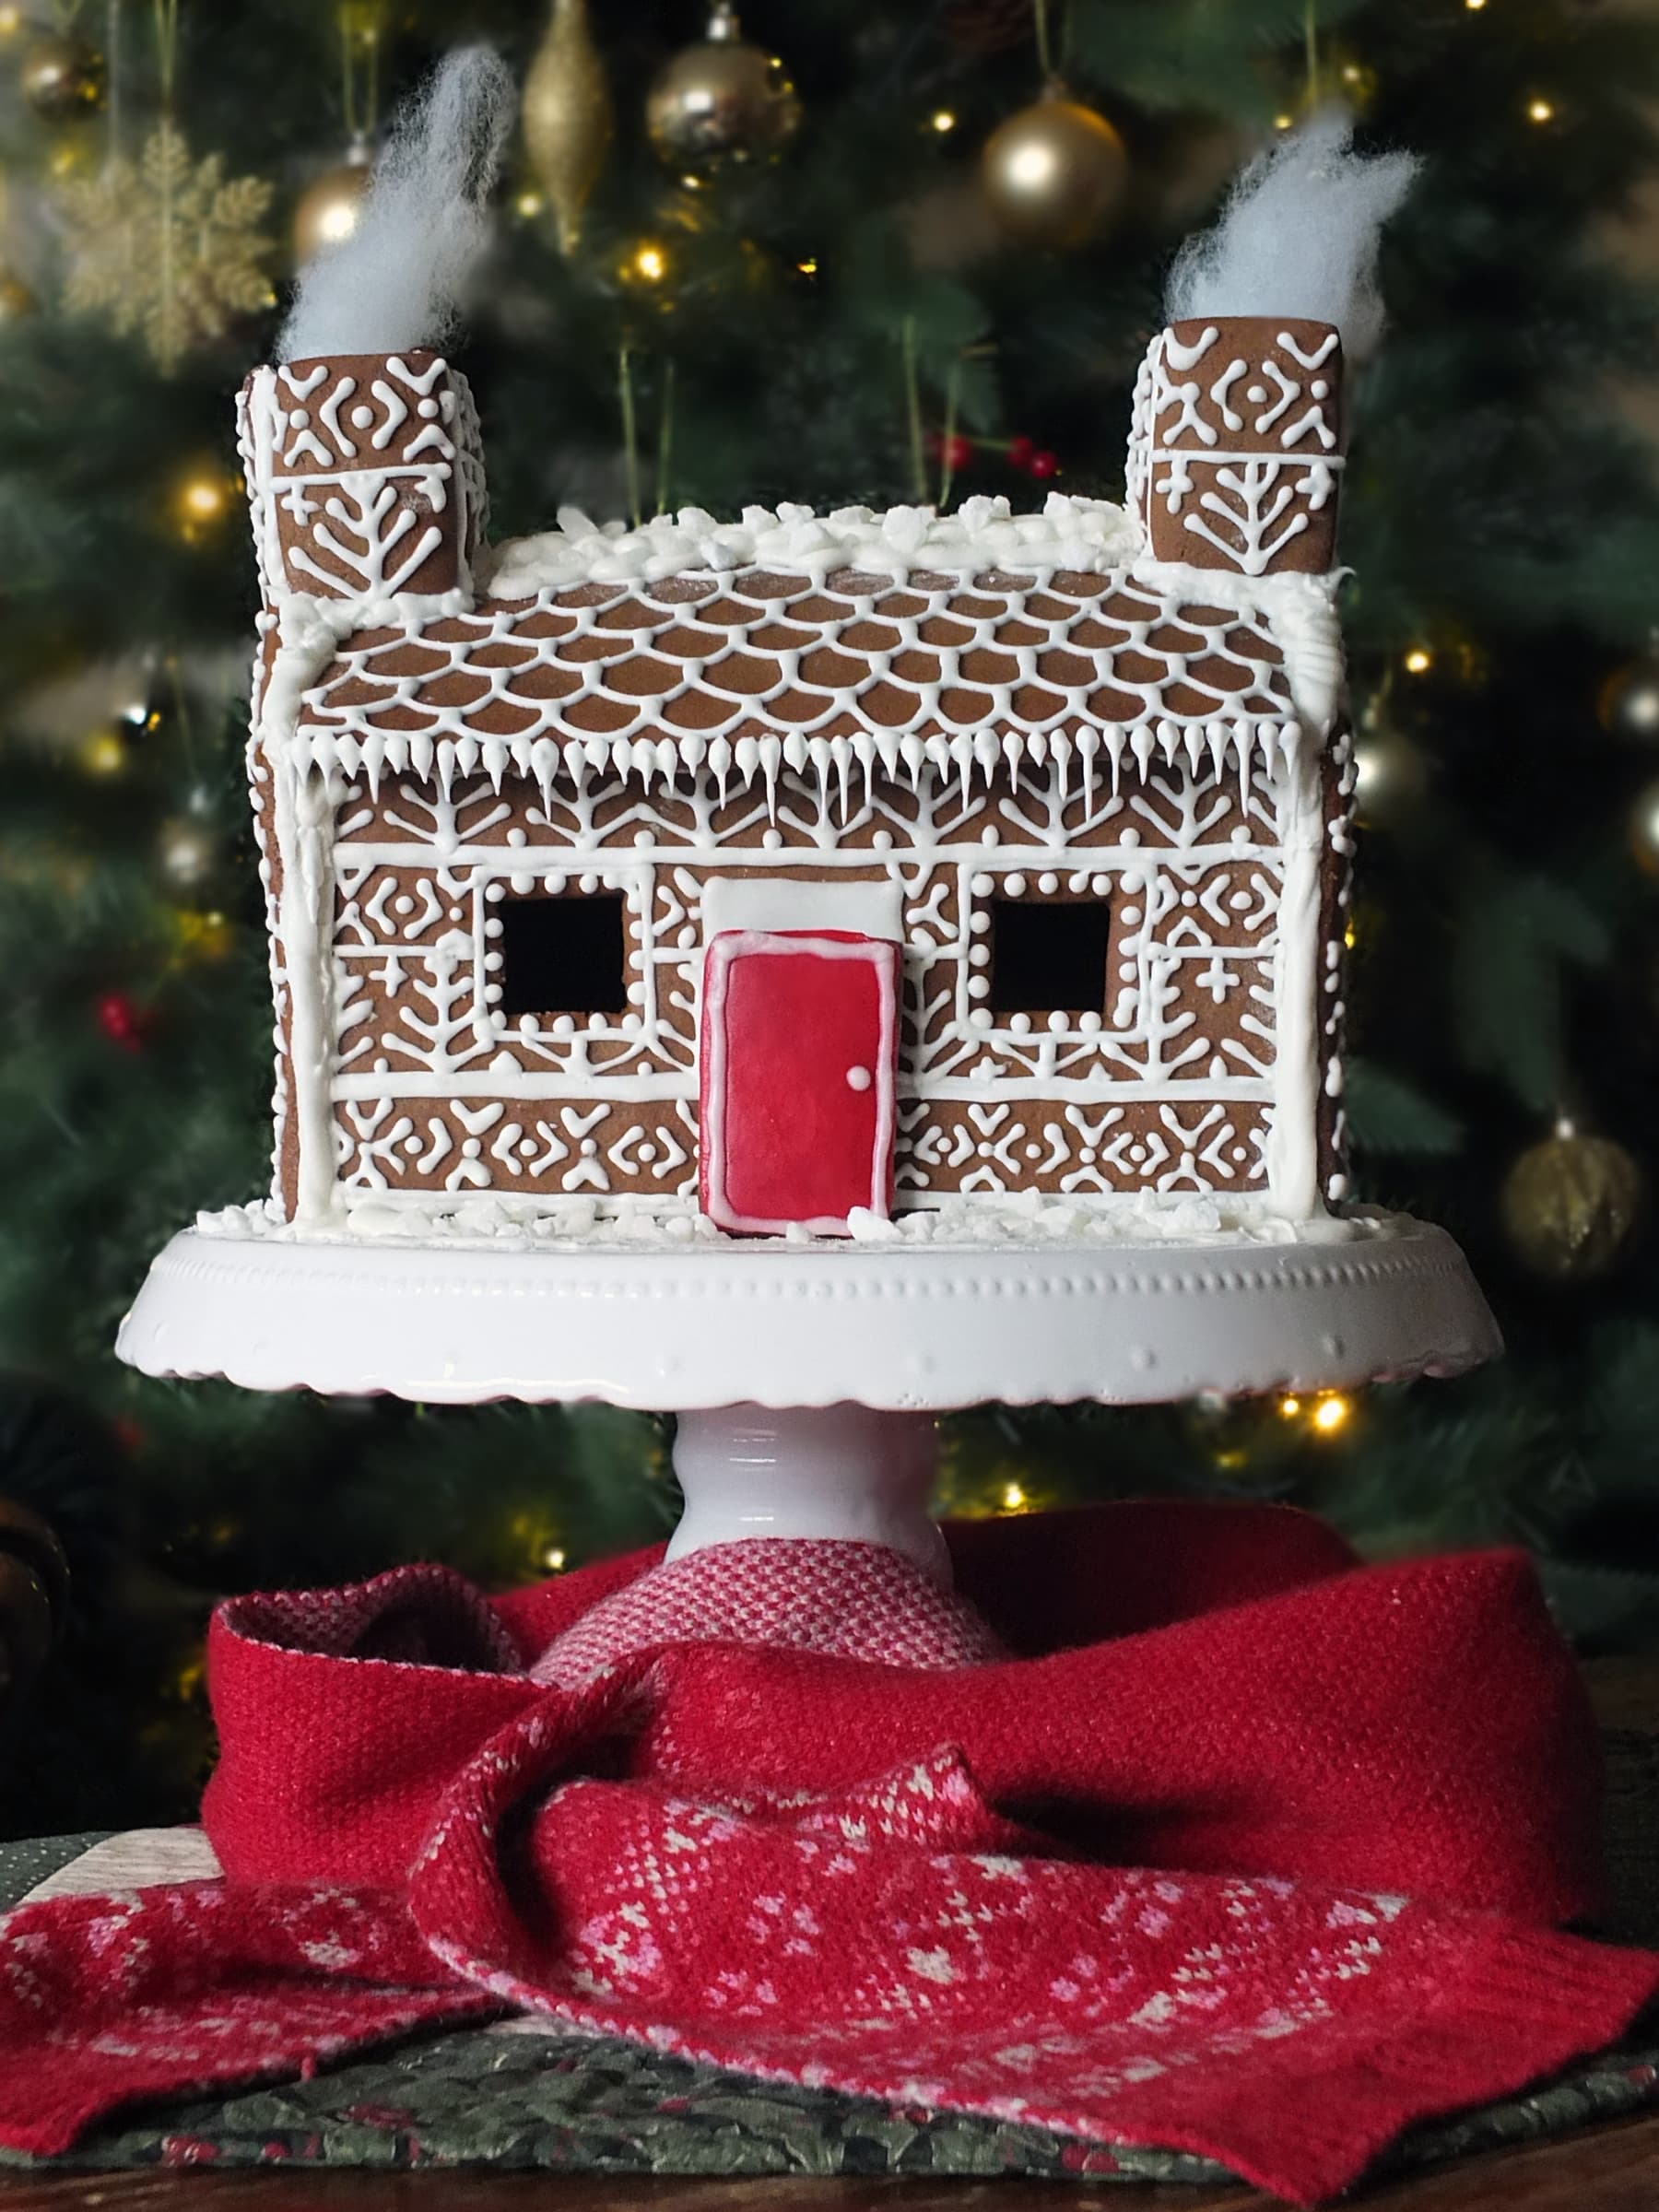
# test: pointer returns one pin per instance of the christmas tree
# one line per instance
(910, 255)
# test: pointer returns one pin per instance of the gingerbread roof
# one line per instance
(752, 669)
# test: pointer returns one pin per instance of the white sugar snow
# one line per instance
(983, 534)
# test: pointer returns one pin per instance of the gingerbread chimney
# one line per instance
(365, 476)
(1235, 456)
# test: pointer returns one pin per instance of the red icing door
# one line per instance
(800, 1048)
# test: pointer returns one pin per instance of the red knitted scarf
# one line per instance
(1250, 1852)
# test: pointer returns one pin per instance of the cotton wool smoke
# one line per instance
(1298, 237)
(400, 280)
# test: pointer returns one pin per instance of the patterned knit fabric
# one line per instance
(1259, 1872)
(847, 1600)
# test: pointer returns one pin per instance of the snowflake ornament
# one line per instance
(165, 246)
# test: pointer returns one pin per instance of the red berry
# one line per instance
(118, 1018)
(956, 452)
(1021, 450)
(1043, 465)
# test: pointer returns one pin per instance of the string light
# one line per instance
(529, 204)
(1418, 660)
(103, 754)
(808, 268)
(1539, 111)
(1474, 6)
(200, 503)
(1326, 1413)
(647, 263)
(552, 1558)
(943, 121)
(203, 937)
(1013, 1498)
(1283, 122)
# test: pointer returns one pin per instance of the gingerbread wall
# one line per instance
(1167, 1087)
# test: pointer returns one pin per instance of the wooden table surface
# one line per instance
(1613, 2167)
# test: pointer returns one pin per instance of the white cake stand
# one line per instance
(807, 1377)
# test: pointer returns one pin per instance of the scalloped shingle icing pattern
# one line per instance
(756, 669)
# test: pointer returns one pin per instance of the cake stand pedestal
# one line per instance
(805, 1377)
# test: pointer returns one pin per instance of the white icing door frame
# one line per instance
(771, 903)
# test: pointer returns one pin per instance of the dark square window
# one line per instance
(1048, 957)
(562, 956)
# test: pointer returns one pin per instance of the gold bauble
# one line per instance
(1644, 828)
(1054, 173)
(331, 207)
(17, 301)
(1571, 1205)
(720, 102)
(63, 78)
(1628, 705)
(567, 117)
(1390, 773)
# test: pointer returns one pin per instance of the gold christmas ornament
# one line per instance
(164, 246)
(1571, 1205)
(567, 117)
(1391, 774)
(1628, 705)
(720, 102)
(1644, 828)
(63, 78)
(17, 301)
(330, 206)
(1054, 173)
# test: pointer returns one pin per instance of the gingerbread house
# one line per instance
(805, 875)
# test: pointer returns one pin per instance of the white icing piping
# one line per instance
(305, 799)
(1297, 612)
(304, 812)
(1084, 757)
(363, 497)
(1292, 1148)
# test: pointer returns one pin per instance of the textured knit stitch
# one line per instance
(1354, 1794)
(846, 1600)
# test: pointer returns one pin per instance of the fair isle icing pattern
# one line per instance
(431, 1078)
(993, 771)
(361, 482)
(1238, 451)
